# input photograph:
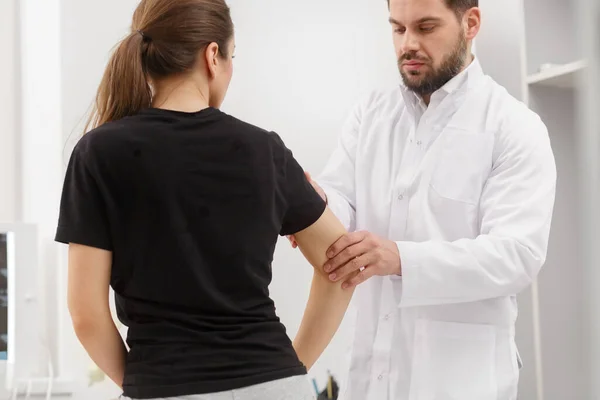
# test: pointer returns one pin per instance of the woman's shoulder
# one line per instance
(102, 137)
(255, 134)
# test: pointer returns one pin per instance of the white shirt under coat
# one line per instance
(466, 188)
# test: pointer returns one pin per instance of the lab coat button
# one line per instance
(386, 317)
(380, 377)
(419, 143)
(401, 197)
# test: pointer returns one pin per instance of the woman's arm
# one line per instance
(327, 302)
(89, 280)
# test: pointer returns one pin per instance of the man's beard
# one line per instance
(433, 80)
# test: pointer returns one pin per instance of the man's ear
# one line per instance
(472, 22)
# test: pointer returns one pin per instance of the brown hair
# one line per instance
(458, 6)
(166, 38)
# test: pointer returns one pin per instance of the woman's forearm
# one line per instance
(102, 341)
(327, 302)
(323, 315)
(88, 294)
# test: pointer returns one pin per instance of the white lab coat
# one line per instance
(466, 188)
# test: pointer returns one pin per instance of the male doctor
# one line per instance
(447, 184)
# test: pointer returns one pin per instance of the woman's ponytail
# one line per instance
(124, 89)
(166, 38)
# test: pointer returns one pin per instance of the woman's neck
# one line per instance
(183, 95)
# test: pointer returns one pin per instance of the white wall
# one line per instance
(502, 31)
(9, 172)
(551, 33)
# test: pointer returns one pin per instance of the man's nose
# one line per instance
(409, 44)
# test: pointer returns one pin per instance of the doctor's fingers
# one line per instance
(366, 273)
(344, 242)
(359, 263)
(345, 256)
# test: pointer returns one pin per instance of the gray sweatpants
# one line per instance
(293, 388)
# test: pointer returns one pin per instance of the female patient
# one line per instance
(178, 207)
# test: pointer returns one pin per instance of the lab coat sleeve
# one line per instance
(515, 215)
(338, 177)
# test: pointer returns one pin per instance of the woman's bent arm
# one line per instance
(328, 302)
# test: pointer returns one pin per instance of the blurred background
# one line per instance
(300, 67)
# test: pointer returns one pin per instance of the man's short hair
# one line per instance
(458, 6)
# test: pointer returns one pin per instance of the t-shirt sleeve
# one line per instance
(82, 218)
(303, 205)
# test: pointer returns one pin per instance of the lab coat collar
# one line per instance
(466, 79)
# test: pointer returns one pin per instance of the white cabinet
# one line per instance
(534, 48)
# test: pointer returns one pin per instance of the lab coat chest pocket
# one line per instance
(453, 361)
(462, 164)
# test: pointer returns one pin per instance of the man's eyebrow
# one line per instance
(428, 19)
(421, 21)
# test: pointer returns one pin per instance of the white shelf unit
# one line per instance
(566, 76)
(531, 48)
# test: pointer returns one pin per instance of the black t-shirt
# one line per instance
(191, 205)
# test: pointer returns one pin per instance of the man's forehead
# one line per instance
(408, 11)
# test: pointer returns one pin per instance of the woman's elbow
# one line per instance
(87, 320)
(83, 326)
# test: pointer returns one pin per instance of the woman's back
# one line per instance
(191, 205)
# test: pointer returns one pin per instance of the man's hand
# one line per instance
(362, 251)
(321, 192)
